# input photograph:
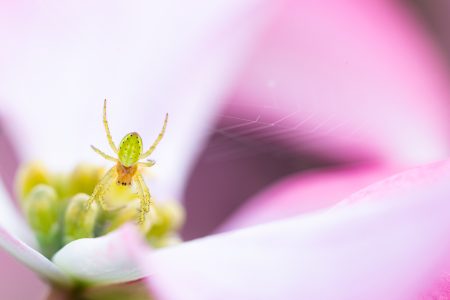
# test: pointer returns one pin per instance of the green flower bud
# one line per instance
(128, 213)
(59, 182)
(119, 196)
(79, 222)
(164, 241)
(42, 210)
(169, 218)
(28, 177)
(84, 178)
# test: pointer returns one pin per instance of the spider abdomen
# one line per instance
(130, 149)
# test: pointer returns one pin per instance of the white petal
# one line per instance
(389, 241)
(11, 221)
(112, 258)
(31, 258)
(59, 62)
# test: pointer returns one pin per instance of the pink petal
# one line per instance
(388, 241)
(58, 62)
(348, 78)
(304, 193)
(13, 273)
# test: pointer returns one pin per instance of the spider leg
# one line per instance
(144, 195)
(101, 188)
(104, 155)
(147, 164)
(108, 133)
(158, 139)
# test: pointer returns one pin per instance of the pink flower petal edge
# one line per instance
(388, 241)
(305, 192)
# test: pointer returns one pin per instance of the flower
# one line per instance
(387, 241)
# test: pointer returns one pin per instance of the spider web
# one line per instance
(271, 129)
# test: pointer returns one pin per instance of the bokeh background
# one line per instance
(258, 137)
(304, 88)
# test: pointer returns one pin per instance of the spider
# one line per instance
(126, 170)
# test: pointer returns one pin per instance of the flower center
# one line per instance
(55, 207)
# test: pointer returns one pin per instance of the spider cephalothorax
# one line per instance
(126, 171)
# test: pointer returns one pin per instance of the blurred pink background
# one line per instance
(326, 93)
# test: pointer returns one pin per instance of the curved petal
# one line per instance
(304, 193)
(32, 258)
(148, 58)
(388, 241)
(17, 240)
(11, 221)
(109, 259)
(8, 156)
(348, 78)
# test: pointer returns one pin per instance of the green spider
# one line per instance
(126, 170)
